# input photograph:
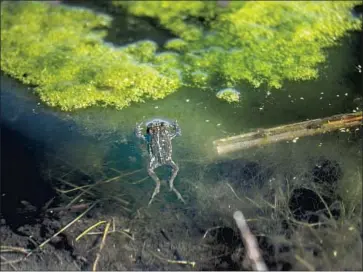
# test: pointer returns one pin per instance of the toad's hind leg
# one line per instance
(175, 170)
(150, 170)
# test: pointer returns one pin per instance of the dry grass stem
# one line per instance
(173, 261)
(122, 231)
(89, 229)
(305, 263)
(11, 262)
(6, 261)
(6, 249)
(98, 256)
(140, 180)
(210, 229)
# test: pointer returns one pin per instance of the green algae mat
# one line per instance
(61, 49)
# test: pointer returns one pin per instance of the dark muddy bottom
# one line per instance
(32, 211)
(140, 243)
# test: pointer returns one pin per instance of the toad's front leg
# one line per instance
(177, 129)
(138, 131)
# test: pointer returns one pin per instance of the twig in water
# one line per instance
(326, 205)
(49, 202)
(173, 261)
(4, 249)
(75, 199)
(66, 174)
(94, 267)
(249, 199)
(8, 249)
(89, 186)
(120, 200)
(124, 232)
(117, 171)
(114, 178)
(14, 261)
(291, 217)
(233, 191)
(210, 229)
(140, 180)
(253, 251)
(69, 209)
(75, 188)
(305, 263)
(6, 261)
(89, 229)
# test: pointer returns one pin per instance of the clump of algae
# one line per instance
(56, 49)
(230, 95)
(254, 41)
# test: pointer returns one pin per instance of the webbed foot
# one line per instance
(157, 182)
(178, 194)
(156, 191)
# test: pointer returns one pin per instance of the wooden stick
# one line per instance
(287, 132)
(250, 242)
(94, 268)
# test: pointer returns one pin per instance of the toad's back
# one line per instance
(160, 146)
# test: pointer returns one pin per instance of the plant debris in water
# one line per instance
(59, 50)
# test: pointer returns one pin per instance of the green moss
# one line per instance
(56, 49)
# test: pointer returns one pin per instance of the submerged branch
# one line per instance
(250, 242)
(287, 132)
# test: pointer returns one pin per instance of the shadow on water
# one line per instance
(23, 191)
(35, 140)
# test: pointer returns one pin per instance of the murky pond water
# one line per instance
(94, 137)
(101, 141)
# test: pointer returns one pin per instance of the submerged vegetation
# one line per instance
(61, 49)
